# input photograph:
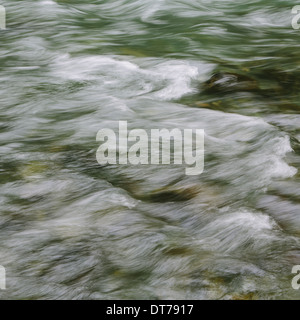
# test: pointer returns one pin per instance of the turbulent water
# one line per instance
(72, 229)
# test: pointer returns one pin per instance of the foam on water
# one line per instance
(156, 78)
(238, 231)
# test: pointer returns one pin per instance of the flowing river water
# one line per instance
(72, 229)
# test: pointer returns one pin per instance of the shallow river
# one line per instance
(72, 229)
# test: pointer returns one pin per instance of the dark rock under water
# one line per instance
(222, 82)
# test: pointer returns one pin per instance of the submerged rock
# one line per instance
(230, 82)
(172, 195)
(246, 296)
(164, 194)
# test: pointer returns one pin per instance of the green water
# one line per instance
(71, 229)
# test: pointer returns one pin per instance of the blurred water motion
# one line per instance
(70, 229)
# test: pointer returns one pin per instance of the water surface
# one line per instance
(71, 229)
